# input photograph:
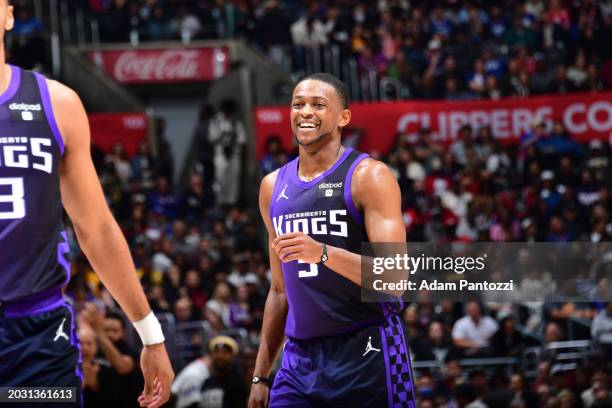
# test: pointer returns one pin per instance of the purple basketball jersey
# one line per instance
(321, 302)
(33, 244)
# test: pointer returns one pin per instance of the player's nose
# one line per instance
(306, 111)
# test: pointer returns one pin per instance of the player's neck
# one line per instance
(5, 74)
(313, 163)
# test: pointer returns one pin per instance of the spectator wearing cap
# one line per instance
(472, 333)
(225, 387)
(548, 192)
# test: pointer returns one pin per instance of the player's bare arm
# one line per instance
(99, 235)
(375, 192)
(275, 312)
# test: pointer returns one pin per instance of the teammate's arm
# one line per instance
(275, 312)
(99, 235)
(376, 192)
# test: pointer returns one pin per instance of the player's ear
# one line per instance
(10, 20)
(345, 118)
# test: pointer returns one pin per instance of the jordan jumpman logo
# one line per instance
(282, 194)
(60, 331)
(369, 347)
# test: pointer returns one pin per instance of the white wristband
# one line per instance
(149, 330)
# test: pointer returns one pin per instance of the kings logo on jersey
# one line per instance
(323, 222)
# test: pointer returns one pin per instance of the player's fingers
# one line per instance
(294, 249)
(288, 235)
(155, 402)
(144, 401)
(287, 242)
(159, 399)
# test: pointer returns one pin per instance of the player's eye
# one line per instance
(297, 105)
(320, 106)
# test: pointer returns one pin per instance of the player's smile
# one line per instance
(307, 127)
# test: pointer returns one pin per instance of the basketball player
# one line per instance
(44, 162)
(339, 352)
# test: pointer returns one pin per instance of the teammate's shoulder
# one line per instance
(61, 93)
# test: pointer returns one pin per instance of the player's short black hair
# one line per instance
(329, 79)
(116, 316)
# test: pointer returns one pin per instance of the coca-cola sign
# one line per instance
(163, 65)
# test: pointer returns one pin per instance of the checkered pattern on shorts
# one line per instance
(399, 370)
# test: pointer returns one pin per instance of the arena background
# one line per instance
(496, 118)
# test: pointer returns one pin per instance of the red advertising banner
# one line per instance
(144, 66)
(110, 128)
(585, 116)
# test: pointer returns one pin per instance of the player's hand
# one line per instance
(158, 376)
(297, 245)
(259, 396)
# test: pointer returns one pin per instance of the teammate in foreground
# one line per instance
(44, 162)
(318, 209)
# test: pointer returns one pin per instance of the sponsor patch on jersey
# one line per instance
(329, 190)
(26, 112)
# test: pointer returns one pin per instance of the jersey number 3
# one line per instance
(312, 272)
(15, 197)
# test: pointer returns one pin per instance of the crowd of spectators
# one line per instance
(201, 253)
(445, 49)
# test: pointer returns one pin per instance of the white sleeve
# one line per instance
(459, 330)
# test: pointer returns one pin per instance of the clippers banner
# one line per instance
(585, 116)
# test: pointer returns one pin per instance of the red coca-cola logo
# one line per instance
(170, 65)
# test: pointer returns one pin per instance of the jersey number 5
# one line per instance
(15, 197)
(314, 271)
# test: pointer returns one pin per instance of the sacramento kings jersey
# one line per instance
(33, 245)
(321, 302)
